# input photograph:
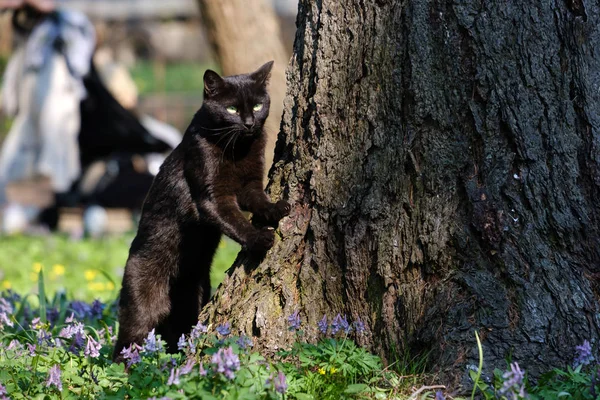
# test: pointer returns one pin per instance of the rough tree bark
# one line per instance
(245, 35)
(443, 161)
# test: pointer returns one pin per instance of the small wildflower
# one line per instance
(97, 309)
(333, 370)
(31, 348)
(70, 318)
(280, 383)
(321, 371)
(513, 382)
(6, 284)
(201, 370)
(132, 354)
(4, 320)
(90, 274)
(359, 326)
(197, 330)
(322, 325)
(584, 354)
(44, 337)
(14, 345)
(151, 344)
(340, 323)
(36, 323)
(294, 321)
(58, 270)
(80, 309)
(3, 391)
(54, 377)
(52, 315)
(244, 342)
(92, 348)
(174, 377)
(181, 343)
(226, 362)
(439, 395)
(187, 367)
(224, 329)
(97, 286)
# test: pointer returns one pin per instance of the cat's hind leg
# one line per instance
(143, 305)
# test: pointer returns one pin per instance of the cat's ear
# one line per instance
(212, 82)
(261, 75)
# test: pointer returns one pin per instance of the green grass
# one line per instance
(85, 269)
(182, 77)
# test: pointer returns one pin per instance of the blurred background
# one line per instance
(94, 95)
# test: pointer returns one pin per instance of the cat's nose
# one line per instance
(249, 122)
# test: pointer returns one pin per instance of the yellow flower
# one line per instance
(96, 286)
(321, 371)
(90, 274)
(6, 284)
(332, 370)
(110, 286)
(58, 269)
(37, 267)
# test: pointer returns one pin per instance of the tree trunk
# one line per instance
(5, 35)
(245, 34)
(443, 161)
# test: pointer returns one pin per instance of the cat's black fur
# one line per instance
(199, 193)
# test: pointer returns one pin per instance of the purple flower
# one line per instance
(97, 309)
(584, 354)
(70, 319)
(132, 354)
(224, 329)
(151, 344)
(439, 395)
(3, 390)
(4, 320)
(31, 348)
(322, 325)
(359, 326)
(92, 348)
(201, 370)
(174, 377)
(244, 342)
(197, 330)
(54, 377)
(80, 309)
(36, 323)
(279, 383)
(14, 345)
(5, 306)
(43, 336)
(181, 343)
(187, 367)
(226, 362)
(340, 323)
(294, 321)
(52, 315)
(513, 382)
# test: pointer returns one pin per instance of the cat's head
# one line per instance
(238, 103)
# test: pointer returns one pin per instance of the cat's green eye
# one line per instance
(257, 107)
(232, 110)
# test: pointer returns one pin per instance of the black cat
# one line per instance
(199, 193)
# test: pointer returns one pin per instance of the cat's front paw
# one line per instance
(275, 212)
(261, 241)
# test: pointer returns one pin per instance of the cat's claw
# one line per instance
(273, 214)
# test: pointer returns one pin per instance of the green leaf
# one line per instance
(42, 296)
(356, 388)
